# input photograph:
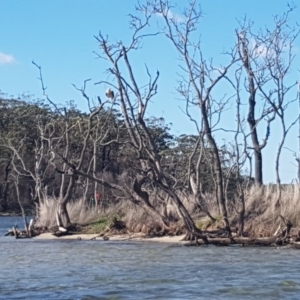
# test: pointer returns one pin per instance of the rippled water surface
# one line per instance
(35, 269)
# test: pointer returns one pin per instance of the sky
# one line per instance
(59, 36)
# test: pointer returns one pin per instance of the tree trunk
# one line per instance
(217, 167)
(241, 220)
(63, 214)
(251, 113)
(258, 167)
(62, 206)
(198, 202)
(144, 196)
(189, 223)
(3, 199)
(252, 125)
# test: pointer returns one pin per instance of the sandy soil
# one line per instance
(125, 237)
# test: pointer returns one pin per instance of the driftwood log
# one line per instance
(28, 232)
(243, 241)
(285, 235)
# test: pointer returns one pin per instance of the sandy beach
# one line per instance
(125, 237)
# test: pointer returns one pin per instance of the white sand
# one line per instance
(125, 237)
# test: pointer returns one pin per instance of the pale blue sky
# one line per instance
(58, 34)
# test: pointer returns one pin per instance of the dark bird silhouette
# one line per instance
(110, 94)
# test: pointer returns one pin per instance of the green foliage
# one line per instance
(104, 222)
(205, 223)
(99, 225)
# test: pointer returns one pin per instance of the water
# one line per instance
(35, 269)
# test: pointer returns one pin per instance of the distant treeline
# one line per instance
(31, 130)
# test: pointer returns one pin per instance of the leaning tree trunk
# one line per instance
(63, 214)
(258, 160)
(62, 205)
(217, 167)
(193, 230)
(144, 196)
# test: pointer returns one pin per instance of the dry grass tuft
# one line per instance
(261, 219)
(78, 211)
(262, 214)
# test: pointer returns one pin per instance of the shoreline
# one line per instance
(175, 240)
(125, 237)
(10, 214)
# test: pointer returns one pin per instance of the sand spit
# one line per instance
(125, 237)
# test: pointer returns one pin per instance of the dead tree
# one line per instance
(133, 102)
(194, 175)
(241, 156)
(267, 58)
(97, 137)
(263, 57)
(246, 55)
(24, 168)
(201, 80)
(57, 133)
(15, 179)
(69, 166)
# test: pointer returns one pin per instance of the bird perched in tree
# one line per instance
(110, 94)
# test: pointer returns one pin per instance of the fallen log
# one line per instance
(243, 241)
(61, 233)
(9, 232)
(14, 231)
(26, 233)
